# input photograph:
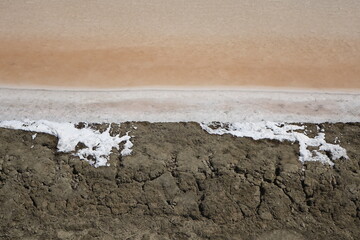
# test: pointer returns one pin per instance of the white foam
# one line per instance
(98, 145)
(282, 132)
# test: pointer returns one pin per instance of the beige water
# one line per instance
(120, 44)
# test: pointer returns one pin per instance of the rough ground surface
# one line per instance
(179, 183)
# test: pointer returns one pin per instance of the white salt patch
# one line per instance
(127, 146)
(282, 132)
(98, 145)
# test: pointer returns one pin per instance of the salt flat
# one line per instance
(244, 105)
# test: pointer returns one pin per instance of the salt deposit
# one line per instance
(98, 146)
(283, 132)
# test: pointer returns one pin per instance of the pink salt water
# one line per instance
(124, 44)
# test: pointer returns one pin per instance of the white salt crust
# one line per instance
(98, 145)
(282, 132)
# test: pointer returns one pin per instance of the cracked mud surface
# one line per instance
(179, 183)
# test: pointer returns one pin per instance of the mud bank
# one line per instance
(179, 183)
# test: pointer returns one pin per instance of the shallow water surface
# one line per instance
(122, 44)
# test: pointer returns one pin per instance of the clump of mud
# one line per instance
(179, 183)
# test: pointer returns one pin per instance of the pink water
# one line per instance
(122, 44)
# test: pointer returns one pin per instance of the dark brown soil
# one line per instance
(179, 183)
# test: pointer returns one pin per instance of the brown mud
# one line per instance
(179, 183)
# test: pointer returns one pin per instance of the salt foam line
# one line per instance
(98, 145)
(282, 132)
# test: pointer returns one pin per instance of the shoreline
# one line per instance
(179, 106)
(204, 120)
(220, 88)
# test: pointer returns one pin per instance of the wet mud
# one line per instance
(179, 183)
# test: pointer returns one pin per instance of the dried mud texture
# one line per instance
(179, 183)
